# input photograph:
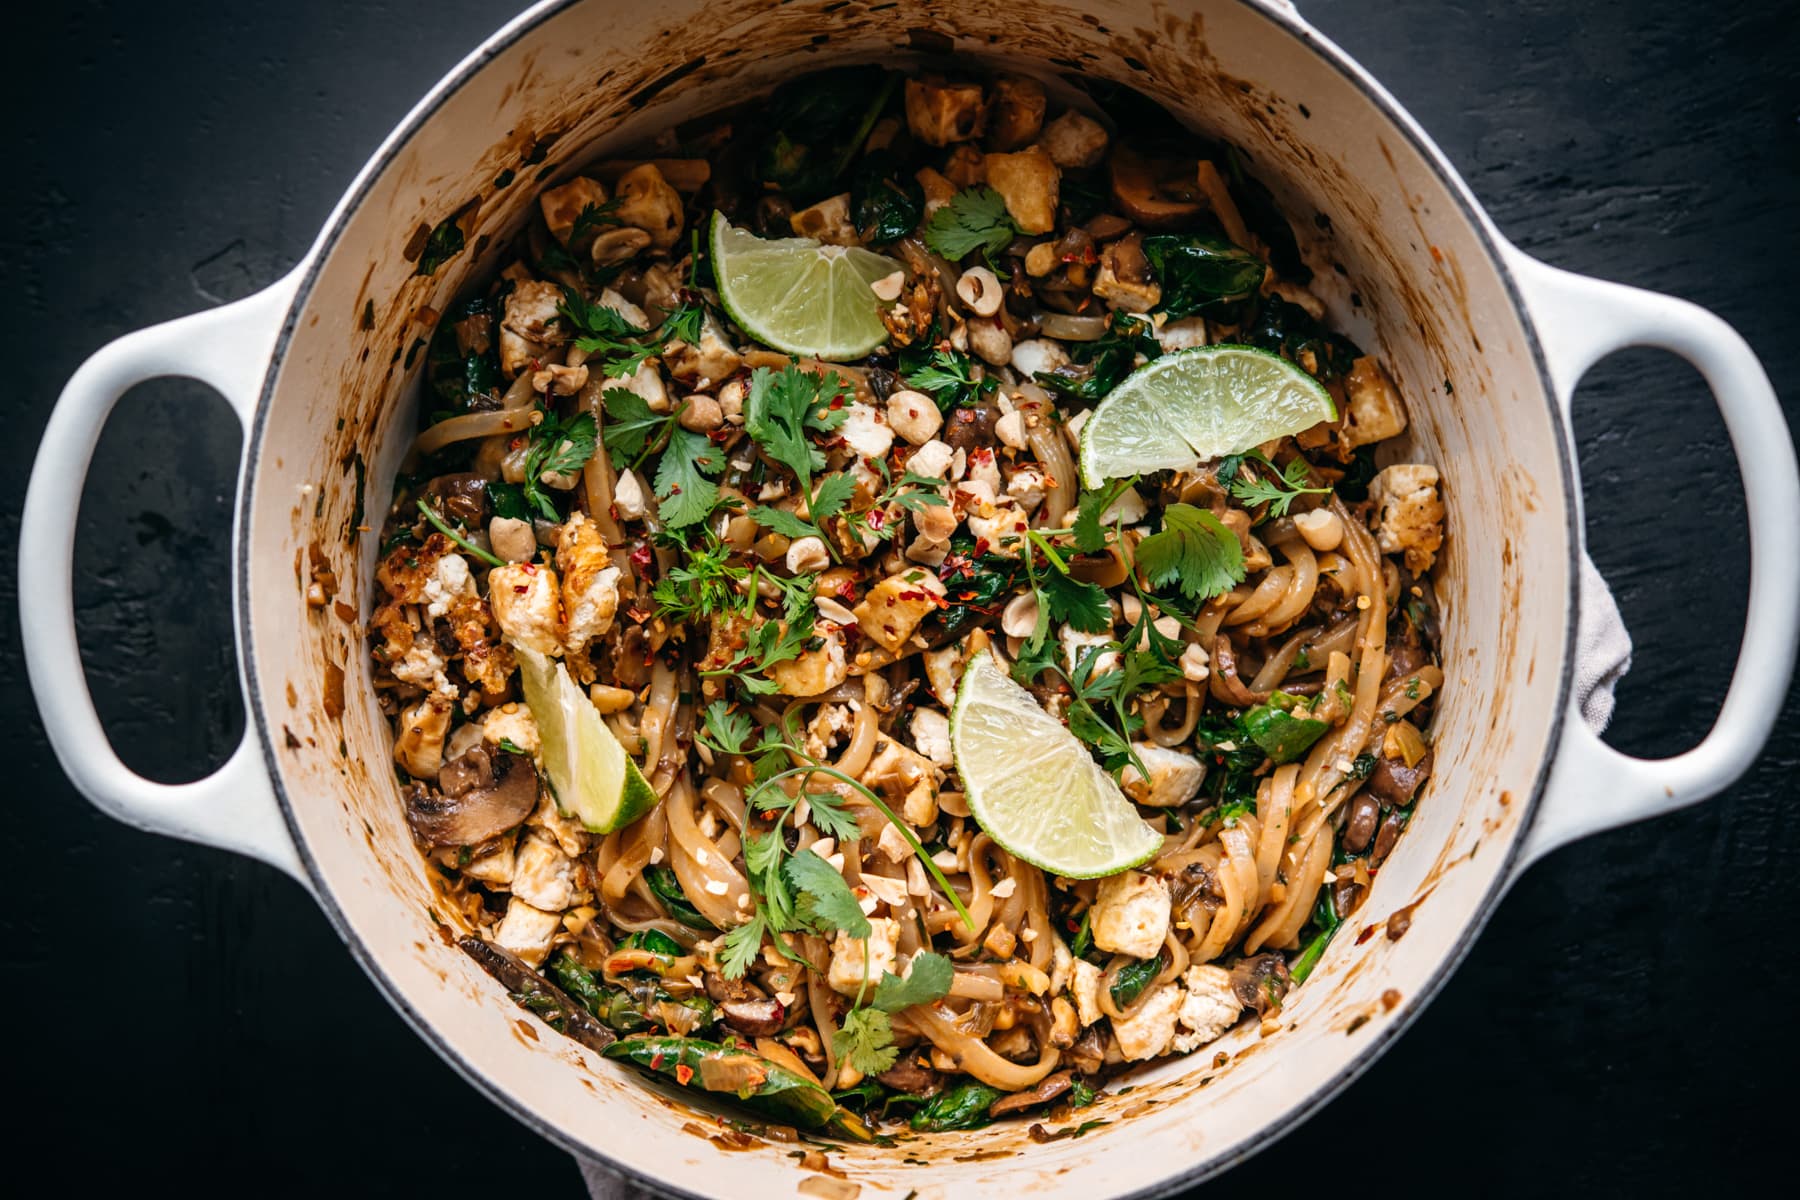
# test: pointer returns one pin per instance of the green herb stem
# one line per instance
(458, 538)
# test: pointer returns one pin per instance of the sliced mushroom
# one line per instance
(1226, 685)
(1125, 279)
(479, 796)
(1152, 194)
(744, 1007)
(1053, 1085)
(1397, 784)
(460, 498)
(1260, 981)
(911, 1076)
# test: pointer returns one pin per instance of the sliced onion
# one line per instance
(1071, 328)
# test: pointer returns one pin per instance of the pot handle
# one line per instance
(228, 348)
(1580, 321)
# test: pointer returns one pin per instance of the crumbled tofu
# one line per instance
(1033, 355)
(827, 221)
(1373, 409)
(895, 606)
(1076, 644)
(513, 723)
(1185, 334)
(1128, 509)
(1151, 1029)
(814, 671)
(1028, 182)
(1131, 914)
(1411, 517)
(1084, 985)
(649, 202)
(866, 431)
(544, 876)
(420, 746)
(449, 582)
(1062, 965)
(1001, 525)
(940, 113)
(590, 583)
(931, 735)
(422, 666)
(563, 205)
(892, 844)
(707, 365)
(530, 324)
(646, 383)
(1074, 140)
(933, 459)
(1016, 111)
(856, 960)
(527, 931)
(567, 830)
(1028, 486)
(1209, 1006)
(526, 606)
(1175, 777)
(494, 868)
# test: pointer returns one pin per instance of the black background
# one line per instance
(178, 1015)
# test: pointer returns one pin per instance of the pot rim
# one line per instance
(1278, 13)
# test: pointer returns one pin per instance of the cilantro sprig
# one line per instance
(1194, 551)
(782, 409)
(559, 446)
(866, 1039)
(1279, 493)
(974, 219)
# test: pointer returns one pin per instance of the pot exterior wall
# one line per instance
(1407, 266)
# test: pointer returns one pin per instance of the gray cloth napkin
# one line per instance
(1602, 656)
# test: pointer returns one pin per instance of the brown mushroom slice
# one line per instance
(1260, 981)
(479, 796)
(1149, 195)
(1053, 1085)
(1397, 784)
(912, 1077)
(745, 1008)
(1226, 686)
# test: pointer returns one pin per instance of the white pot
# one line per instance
(1486, 344)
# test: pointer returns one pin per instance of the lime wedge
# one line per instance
(798, 295)
(1032, 786)
(595, 781)
(1198, 404)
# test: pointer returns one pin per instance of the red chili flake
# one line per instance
(683, 1074)
(1367, 933)
(529, 568)
(640, 557)
(981, 546)
(520, 589)
(656, 1061)
(877, 518)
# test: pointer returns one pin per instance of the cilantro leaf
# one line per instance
(631, 424)
(1090, 535)
(593, 218)
(975, 219)
(684, 493)
(780, 409)
(725, 729)
(1070, 601)
(1194, 551)
(866, 1040)
(928, 978)
(831, 818)
(946, 375)
(558, 446)
(833, 493)
(782, 521)
(742, 946)
(1278, 493)
(826, 901)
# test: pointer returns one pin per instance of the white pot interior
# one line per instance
(1402, 263)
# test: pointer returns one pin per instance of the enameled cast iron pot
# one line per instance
(1485, 343)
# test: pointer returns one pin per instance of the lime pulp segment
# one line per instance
(595, 781)
(799, 295)
(1033, 787)
(1195, 405)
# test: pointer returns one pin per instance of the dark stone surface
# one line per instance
(1623, 1023)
